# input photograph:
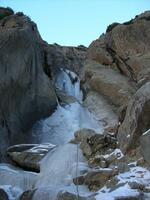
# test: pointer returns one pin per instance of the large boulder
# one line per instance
(137, 119)
(28, 156)
(26, 93)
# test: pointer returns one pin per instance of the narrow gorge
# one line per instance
(74, 121)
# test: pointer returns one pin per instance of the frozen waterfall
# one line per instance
(60, 127)
(58, 167)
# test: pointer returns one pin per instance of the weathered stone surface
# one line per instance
(102, 110)
(26, 93)
(92, 142)
(96, 179)
(71, 58)
(116, 87)
(28, 156)
(97, 52)
(137, 119)
(126, 47)
(145, 145)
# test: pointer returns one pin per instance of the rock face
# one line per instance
(101, 109)
(96, 179)
(108, 82)
(126, 47)
(26, 94)
(71, 58)
(137, 119)
(145, 145)
(117, 68)
(118, 62)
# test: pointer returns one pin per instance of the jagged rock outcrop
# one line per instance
(126, 47)
(26, 93)
(71, 58)
(96, 179)
(117, 65)
(137, 119)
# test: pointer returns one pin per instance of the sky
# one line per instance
(76, 22)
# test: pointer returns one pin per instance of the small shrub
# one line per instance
(111, 27)
(4, 12)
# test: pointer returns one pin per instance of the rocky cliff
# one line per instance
(71, 58)
(117, 68)
(26, 93)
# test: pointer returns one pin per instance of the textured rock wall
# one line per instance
(26, 93)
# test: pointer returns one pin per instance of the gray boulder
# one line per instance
(28, 156)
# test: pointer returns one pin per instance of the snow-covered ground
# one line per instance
(138, 175)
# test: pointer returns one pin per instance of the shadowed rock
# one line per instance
(26, 93)
(136, 120)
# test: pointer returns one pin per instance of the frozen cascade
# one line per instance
(51, 172)
(57, 171)
(16, 177)
(61, 126)
(59, 166)
(14, 181)
(70, 83)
